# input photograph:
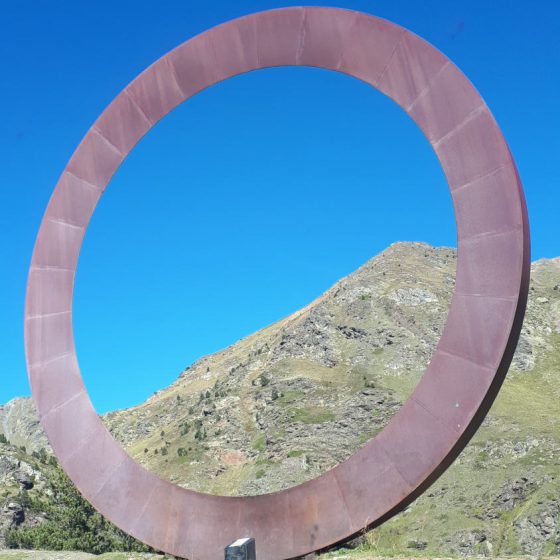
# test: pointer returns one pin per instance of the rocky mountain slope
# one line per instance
(19, 473)
(20, 425)
(292, 400)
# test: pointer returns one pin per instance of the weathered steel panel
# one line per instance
(468, 366)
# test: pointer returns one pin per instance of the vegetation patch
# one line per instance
(72, 523)
(312, 415)
(259, 443)
(296, 453)
(288, 397)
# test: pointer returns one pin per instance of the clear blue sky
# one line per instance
(255, 196)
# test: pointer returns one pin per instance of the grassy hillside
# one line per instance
(289, 402)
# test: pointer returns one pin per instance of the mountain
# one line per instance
(20, 425)
(291, 401)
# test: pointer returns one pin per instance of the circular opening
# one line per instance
(253, 200)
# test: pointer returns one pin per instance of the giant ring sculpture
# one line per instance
(466, 370)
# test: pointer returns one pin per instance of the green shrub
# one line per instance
(72, 524)
(200, 434)
(41, 455)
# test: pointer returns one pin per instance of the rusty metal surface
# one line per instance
(469, 363)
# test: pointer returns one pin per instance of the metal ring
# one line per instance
(467, 368)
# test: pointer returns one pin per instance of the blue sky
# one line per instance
(255, 196)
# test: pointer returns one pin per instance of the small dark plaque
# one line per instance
(241, 549)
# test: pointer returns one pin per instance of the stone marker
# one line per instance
(241, 549)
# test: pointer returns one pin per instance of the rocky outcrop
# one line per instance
(21, 478)
(541, 530)
(20, 425)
